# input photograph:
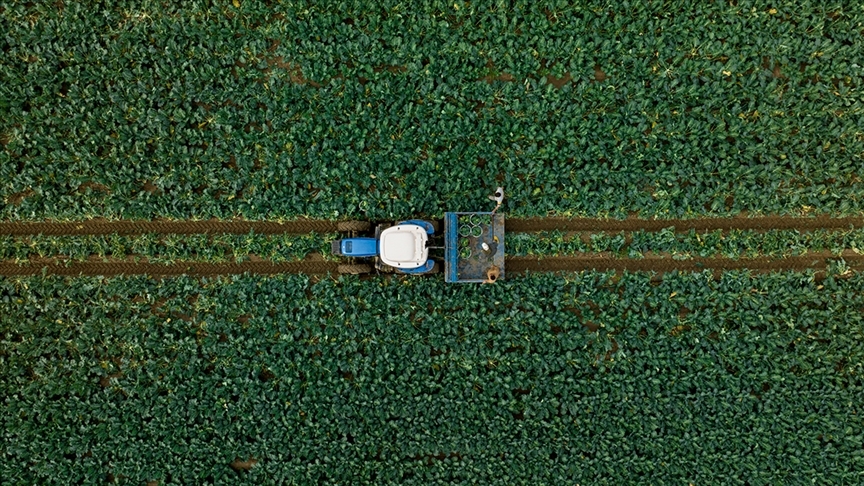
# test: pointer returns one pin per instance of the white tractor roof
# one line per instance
(404, 246)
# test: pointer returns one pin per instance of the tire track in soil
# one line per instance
(513, 225)
(760, 223)
(514, 265)
(814, 261)
(105, 227)
(111, 269)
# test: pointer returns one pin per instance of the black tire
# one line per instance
(355, 269)
(347, 226)
(437, 224)
(383, 267)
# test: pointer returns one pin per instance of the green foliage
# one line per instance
(730, 244)
(540, 380)
(383, 110)
(158, 248)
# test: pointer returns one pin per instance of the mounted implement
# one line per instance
(471, 248)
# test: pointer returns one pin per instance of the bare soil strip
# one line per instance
(816, 261)
(761, 223)
(514, 265)
(104, 227)
(516, 225)
(111, 269)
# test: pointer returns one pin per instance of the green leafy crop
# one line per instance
(588, 379)
(383, 110)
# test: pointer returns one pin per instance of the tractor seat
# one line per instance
(404, 246)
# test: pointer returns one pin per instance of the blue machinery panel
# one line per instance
(451, 250)
(359, 247)
(465, 260)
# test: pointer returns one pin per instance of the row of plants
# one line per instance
(157, 248)
(585, 379)
(684, 245)
(222, 248)
(377, 110)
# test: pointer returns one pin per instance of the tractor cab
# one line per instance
(402, 248)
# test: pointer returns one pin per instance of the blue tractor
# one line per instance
(470, 249)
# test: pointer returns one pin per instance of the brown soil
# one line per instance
(514, 265)
(559, 83)
(514, 225)
(151, 188)
(105, 227)
(19, 197)
(760, 223)
(599, 74)
(158, 269)
(94, 186)
(241, 465)
(816, 261)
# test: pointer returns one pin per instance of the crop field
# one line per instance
(683, 302)
(542, 380)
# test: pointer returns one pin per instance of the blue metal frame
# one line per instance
(451, 250)
(426, 225)
(427, 267)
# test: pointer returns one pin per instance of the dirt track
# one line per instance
(580, 263)
(514, 265)
(102, 227)
(159, 269)
(761, 223)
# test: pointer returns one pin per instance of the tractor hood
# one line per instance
(404, 246)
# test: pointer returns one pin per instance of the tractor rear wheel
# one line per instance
(355, 269)
(347, 226)
(383, 267)
(437, 225)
